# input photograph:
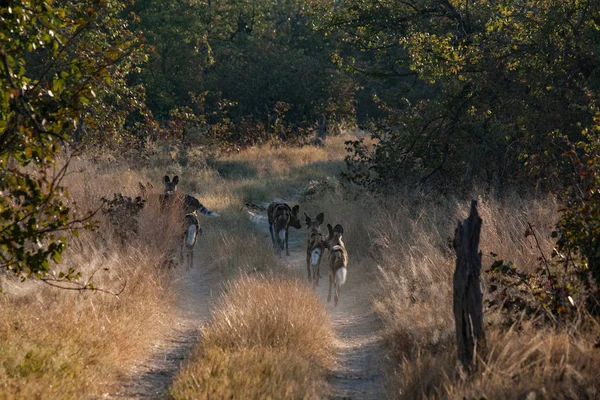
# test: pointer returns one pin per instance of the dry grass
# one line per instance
(271, 312)
(531, 363)
(66, 345)
(417, 262)
(249, 373)
(232, 244)
(283, 161)
(269, 338)
(263, 173)
(70, 344)
(63, 344)
(416, 267)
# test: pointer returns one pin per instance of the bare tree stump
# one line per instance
(468, 298)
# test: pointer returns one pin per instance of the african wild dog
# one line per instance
(314, 247)
(189, 237)
(281, 217)
(170, 189)
(338, 260)
(191, 207)
(190, 203)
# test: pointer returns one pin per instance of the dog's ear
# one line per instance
(166, 179)
(320, 218)
(175, 180)
(149, 185)
(308, 220)
(330, 230)
(338, 229)
(296, 209)
(142, 187)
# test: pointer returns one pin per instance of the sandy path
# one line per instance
(196, 290)
(359, 369)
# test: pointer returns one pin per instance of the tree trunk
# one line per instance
(323, 128)
(79, 129)
(468, 298)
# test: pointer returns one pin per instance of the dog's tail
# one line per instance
(315, 256)
(340, 276)
(281, 236)
(192, 231)
(207, 212)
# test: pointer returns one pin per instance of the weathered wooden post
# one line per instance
(468, 298)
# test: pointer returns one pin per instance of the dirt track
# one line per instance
(196, 291)
(358, 371)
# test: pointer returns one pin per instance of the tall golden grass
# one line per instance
(402, 240)
(416, 262)
(405, 240)
(270, 337)
(263, 173)
(57, 343)
(416, 268)
(65, 344)
(530, 363)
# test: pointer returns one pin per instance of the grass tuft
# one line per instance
(270, 337)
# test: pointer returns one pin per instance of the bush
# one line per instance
(123, 213)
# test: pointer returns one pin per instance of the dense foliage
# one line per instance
(240, 71)
(579, 226)
(62, 72)
(510, 99)
(506, 75)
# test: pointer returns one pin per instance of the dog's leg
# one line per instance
(187, 259)
(182, 250)
(192, 258)
(311, 268)
(331, 277)
(287, 249)
(278, 240)
(279, 243)
(271, 231)
(336, 287)
(317, 272)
